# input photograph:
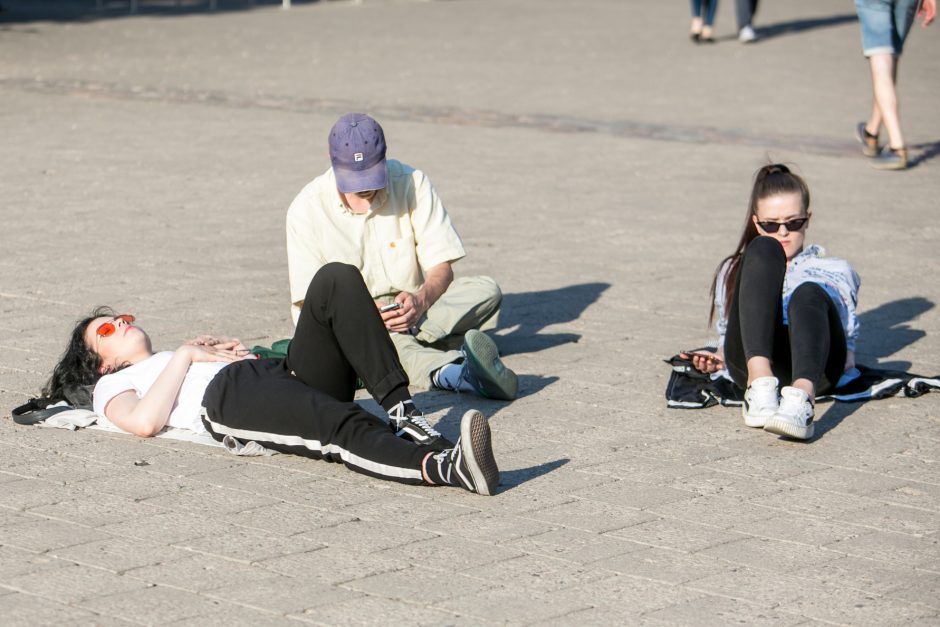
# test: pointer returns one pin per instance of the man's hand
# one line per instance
(927, 11)
(413, 306)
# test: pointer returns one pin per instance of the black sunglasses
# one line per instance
(792, 225)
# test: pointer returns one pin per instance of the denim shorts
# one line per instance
(885, 24)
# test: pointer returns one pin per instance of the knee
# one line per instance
(489, 289)
(807, 295)
(331, 274)
(765, 247)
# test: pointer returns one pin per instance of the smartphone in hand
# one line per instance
(390, 307)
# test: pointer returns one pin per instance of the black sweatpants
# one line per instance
(812, 344)
(304, 404)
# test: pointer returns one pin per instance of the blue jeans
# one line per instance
(885, 24)
(710, 7)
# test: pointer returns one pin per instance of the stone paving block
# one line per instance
(893, 547)
(776, 555)
(505, 605)
(801, 528)
(814, 501)
(154, 604)
(207, 498)
(755, 585)
(537, 573)
(334, 565)
(235, 615)
(170, 526)
(487, 528)
(282, 594)
(24, 609)
(332, 494)
(366, 536)
(183, 463)
(287, 519)
(855, 607)
(723, 512)
(910, 494)
(95, 510)
(46, 535)
(378, 611)
(137, 484)
(714, 610)
(72, 583)
(119, 554)
(459, 553)
(198, 572)
(535, 478)
(662, 565)
(14, 562)
(614, 614)
(400, 584)
(591, 515)
(266, 479)
(248, 545)
(406, 509)
(846, 481)
(705, 482)
(635, 494)
(581, 547)
(24, 494)
(13, 517)
(669, 533)
(899, 582)
(761, 464)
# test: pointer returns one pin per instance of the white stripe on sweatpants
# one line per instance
(316, 445)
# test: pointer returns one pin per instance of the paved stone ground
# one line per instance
(594, 161)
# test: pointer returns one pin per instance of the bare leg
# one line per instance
(807, 386)
(758, 367)
(884, 71)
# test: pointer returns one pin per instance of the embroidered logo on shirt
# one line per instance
(357, 156)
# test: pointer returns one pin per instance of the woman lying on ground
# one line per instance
(302, 404)
(784, 313)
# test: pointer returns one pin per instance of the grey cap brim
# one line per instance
(352, 181)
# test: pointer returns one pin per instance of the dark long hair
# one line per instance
(770, 180)
(78, 367)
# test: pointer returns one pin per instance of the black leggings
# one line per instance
(304, 404)
(812, 345)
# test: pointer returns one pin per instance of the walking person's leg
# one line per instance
(744, 12)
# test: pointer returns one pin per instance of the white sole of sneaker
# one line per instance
(478, 452)
(755, 422)
(782, 427)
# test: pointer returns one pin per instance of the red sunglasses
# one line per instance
(107, 329)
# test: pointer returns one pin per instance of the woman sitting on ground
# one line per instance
(302, 404)
(785, 313)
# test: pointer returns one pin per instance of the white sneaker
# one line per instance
(760, 401)
(795, 416)
(746, 35)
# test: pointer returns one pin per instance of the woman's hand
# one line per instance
(220, 352)
(220, 346)
(705, 361)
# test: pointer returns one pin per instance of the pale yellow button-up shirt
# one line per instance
(406, 232)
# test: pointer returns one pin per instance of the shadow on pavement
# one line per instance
(884, 331)
(25, 11)
(509, 479)
(530, 312)
(929, 150)
(798, 26)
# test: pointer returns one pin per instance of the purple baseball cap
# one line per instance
(357, 150)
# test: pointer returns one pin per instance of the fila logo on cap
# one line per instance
(357, 156)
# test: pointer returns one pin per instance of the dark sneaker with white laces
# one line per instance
(406, 420)
(470, 464)
(484, 370)
(794, 417)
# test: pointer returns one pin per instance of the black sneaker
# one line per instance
(407, 421)
(471, 463)
(484, 370)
